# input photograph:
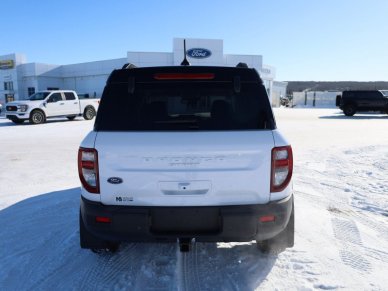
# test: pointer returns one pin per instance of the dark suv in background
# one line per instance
(354, 101)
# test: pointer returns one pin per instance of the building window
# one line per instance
(31, 91)
(8, 86)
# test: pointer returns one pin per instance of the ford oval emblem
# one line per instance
(198, 53)
(115, 180)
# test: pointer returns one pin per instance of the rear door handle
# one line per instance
(75, 102)
(61, 103)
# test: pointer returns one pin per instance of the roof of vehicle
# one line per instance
(49, 91)
(363, 91)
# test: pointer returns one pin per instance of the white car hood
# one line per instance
(25, 102)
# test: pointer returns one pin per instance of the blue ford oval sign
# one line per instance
(198, 53)
(115, 180)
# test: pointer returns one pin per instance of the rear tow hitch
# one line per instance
(185, 244)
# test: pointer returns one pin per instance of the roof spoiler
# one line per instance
(128, 66)
(242, 65)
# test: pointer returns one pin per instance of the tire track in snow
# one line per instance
(188, 262)
(377, 255)
(108, 267)
(355, 261)
(158, 269)
(346, 231)
(138, 266)
(40, 261)
(205, 268)
(339, 206)
(66, 245)
(351, 250)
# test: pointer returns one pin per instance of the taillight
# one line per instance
(88, 169)
(281, 168)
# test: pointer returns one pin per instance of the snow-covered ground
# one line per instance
(341, 188)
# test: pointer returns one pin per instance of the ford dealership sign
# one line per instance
(198, 53)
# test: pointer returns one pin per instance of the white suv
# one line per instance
(185, 154)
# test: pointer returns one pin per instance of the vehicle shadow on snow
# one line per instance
(49, 121)
(364, 116)
(39, 249)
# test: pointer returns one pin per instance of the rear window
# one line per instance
(362, 94)
(188, 105)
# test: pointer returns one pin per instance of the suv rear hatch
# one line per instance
(184, 136)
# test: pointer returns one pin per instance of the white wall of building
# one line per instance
(12, 74)
(251, 60)
(149, 59)
(279, 90)
(89, 77)
(315, 99)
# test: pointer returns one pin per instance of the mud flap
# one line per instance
(280, 242)
(89, 241)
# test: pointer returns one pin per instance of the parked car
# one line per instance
(355, 101)
(185, 153)
(45, 104)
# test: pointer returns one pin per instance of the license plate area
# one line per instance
(186, 221)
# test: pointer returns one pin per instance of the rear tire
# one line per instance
(280, 242)
(37, 117)
(350, 109)
(89, 113)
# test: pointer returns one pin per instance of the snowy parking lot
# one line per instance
(340, 187)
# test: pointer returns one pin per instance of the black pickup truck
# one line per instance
(354, 101)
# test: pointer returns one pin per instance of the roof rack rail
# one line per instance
(242, 65)
(129, 66)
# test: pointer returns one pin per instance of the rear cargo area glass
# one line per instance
(184, 105)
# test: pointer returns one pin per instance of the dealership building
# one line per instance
(20, 79)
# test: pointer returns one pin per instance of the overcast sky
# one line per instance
(321, 40)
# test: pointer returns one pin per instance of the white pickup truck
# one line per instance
(186, 154)
(45, 104)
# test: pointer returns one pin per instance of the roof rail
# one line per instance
(242, 65)
(128, 66)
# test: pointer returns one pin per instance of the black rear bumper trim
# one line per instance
(204, 223)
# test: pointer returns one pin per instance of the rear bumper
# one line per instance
(205, 223)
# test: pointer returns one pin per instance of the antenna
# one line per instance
(185, 62)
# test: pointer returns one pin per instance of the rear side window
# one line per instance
(363, 94)
(385, 93)
(69, 96)
(375, 95)
(171, 106)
